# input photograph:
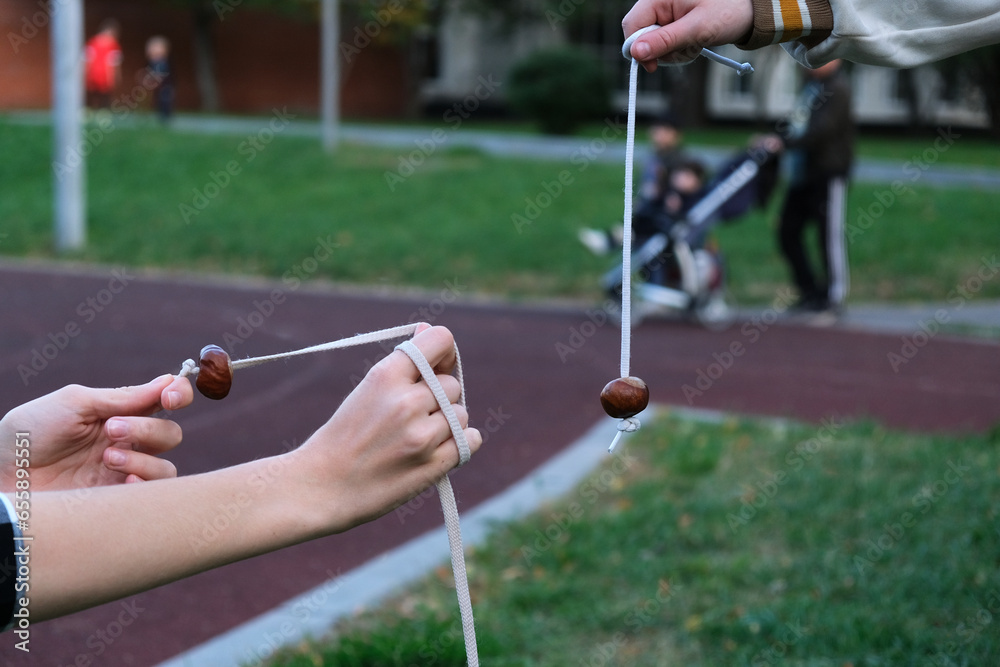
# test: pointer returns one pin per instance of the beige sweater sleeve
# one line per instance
(875, 32)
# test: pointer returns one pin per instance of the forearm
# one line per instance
(124, 540)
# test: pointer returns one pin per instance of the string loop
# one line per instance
(741, 68)
(447, 495)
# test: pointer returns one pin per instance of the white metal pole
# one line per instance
(330, 74)
(68, 163)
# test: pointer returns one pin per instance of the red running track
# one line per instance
(533, 376)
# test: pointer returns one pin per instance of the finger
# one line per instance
(474, 438)
(438, 346)
(147, 434)
(677, 42)
(143, 466)
(460, 413)
(435, 343)
(176, 395)
(452, 389)
(140, 400)
(446, 456)
(644, 14)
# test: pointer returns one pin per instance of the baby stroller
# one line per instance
(678, 266)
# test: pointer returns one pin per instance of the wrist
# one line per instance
(308, 501)
(810, 22)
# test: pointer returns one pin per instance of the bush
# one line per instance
(559, 88)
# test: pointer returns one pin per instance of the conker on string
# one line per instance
(625, 397)
(215, 373)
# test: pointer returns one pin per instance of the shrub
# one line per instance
(559, 88)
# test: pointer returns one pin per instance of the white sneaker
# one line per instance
(594, 240)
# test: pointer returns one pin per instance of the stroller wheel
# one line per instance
(717, 310)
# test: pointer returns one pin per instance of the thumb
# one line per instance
(676, 42)
(141, 400)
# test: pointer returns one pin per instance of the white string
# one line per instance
(627, 224)
(447, 495)
(741, 68)
(632, 424)
(359, 339)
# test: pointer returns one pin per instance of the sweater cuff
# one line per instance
(776, 21)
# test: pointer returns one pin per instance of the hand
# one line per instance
(389, 440)
(82, 437)
(772, 143)
(688, 25)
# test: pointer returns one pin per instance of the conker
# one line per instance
(625, 397)
(215, 373)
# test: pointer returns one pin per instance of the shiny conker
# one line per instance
(625, 397)
(215, 373)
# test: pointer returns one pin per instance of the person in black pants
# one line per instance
(818, 137)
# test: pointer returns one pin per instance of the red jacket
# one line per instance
(103, 57)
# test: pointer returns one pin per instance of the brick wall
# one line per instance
(262, 60)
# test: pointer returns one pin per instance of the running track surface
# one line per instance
(535, 396)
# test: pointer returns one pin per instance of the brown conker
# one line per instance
(215, 373)
(625, 397)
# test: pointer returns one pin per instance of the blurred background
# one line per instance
(404, 60)
(475, 139)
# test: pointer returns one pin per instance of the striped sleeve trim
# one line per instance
(776, 21)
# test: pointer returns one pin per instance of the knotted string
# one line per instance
(629, 424)
(447, 495)
(632, 424)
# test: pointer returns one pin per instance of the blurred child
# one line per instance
(160, 76)
(670, 181)
(103, 65)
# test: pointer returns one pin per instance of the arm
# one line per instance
(902, 34)
(84, 437)
(387, 442)
(829, 120)
(875, 32)
(688, 25)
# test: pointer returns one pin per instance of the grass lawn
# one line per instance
(737, 543)
(155, 200)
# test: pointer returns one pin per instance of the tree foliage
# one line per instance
(559, 88)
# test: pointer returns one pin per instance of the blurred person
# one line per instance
(669, 180)
(818, 140)
(103, 65)
(816, 32)
(160, 76)
(386, 442)
(666, 137)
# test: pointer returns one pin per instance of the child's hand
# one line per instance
(82, 437)
(688, 26)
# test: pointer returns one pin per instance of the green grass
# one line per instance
(966, 149)
(739, 543)
(451, 220)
